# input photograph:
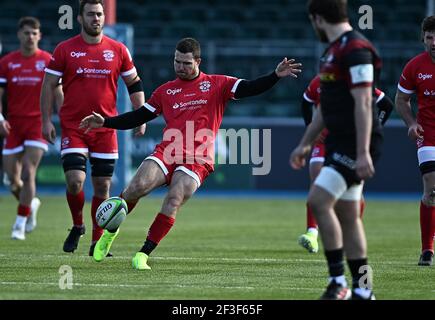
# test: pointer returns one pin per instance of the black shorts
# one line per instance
(341, 155)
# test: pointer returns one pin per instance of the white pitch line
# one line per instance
(256, 260)
(105, 285)
(184, 258)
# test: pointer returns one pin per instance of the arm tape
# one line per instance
(135, 87)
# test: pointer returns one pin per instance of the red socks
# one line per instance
(311, 221)
(97, 232)
(23, 211)
(76, 203)
(427, 227)
(160, 228)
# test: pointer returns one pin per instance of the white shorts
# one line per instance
(425, 154)
(334, 183)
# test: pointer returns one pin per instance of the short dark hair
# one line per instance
(333, 11)
(187, 45)
(32, 22)
(84, 2)
(428, 24)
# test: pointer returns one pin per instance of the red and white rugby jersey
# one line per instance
(23, 77)
(90, 75)
(312, 92)
(195, 109)
(418, 77)
(312, 95)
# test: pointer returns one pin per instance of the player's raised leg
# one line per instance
(148, 177)
(308, 240)
(182, 187)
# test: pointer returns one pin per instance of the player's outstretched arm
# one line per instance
(288, 68)
(249, 88)
(125, 121)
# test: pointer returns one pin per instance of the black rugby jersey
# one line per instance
(344, 66)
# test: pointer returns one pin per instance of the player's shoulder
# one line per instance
(216, 77)
(315, 82)
(170, 85)
(108, 41)
(45, 54)
(13, 55)
(354, 40)
(418, 60)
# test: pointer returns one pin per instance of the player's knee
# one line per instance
(102, 167)
(312, 202)
(175, 201)
(429, 199)
(74, 161)
(74, 186)
(101, 189)
(15, 186)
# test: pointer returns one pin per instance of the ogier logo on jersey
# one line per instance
(424, 76)
(13, 66)
(77, 54)
(173, 92)
(108, 55)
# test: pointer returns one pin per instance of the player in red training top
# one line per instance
(311, 98)
(192, 106)
(21, 74)
(418, 77)
(89, 65)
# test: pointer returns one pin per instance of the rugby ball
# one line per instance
(111, 213)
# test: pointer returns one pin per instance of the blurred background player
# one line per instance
(310, 99)
(349, 68)
(89, 65)
(197, 105)
(418, 77)
(21, 74)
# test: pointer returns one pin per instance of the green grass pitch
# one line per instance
(219, 249)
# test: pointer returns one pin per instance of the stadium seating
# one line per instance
(231, 24)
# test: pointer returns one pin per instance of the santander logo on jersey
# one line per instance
(194, 104)
(81, 70)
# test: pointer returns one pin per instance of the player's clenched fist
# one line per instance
(297, 157)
